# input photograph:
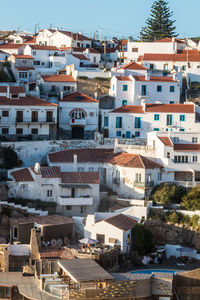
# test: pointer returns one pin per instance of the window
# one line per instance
(156, 117)
(172, 89)
(125, 88)
(24, 187)
(34, 52)
(113, 87)
(168, 154)
(194, 140)
(19, 116)
(24, 61)
(15, 232)
(19, 130)
(169, 119)
(34, 116)
(80, 169)
(66, 88)
(148, 177)
(49, 116)
(134, 49)
(82, 209)
(156, 129)
(68, 207)
(5, 130)
(105, 121)
(118, 134)
(137, 122)
(159, 176)
(182, 117)
(138, 177)
(151, 66)
(100, 238)
(36, 62)
(49, 193)
(194, 158)
(128, 134)
(13, 96)
(94, 59)
(5, 113)
(22, 74)
(124, 102)
(181, 129)
(137, 134)
(91, 169)
(171, 102)
(143, 90)
(159, 88)
(73, 193)
(118, 122)
(34, 131)
(180, 159)
(78, 114)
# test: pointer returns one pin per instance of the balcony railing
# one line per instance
(144, 184)
(67, 200)
(36, 121)
(78, 122)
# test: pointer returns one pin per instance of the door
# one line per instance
(34, 116)
(78, 133)
(49, 116)
(19, 116)
(128, 134)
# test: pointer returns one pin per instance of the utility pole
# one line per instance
(100, 34)
(105, 52)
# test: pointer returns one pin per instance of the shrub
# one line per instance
(142, 240)
(83, 77)
(168, 193)
(10, 158)
(191, 201)
(4, 76)
(195, 220)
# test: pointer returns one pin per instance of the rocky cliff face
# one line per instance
(165, 233)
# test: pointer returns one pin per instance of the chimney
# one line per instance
(75, 163)
(143, 104)
(95, 95)
(37, 168)
(8, 92)
(61, 95)
(147, 76)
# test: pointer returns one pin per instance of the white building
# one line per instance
(56, 85)
(62, 38)
(12, 48)
(75, 193)
(22, 67)
(132, 89)
(47, 59)
(13, 92)
(165, 45)
(28, 117)
(129, 175)
(4, 55)
(114, 230)
(78, 115)
(136, 121)
(90, 53)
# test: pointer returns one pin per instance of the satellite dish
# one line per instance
(66, 240)
(53, 243)
(59, 242)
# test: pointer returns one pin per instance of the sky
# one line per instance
(121, 18)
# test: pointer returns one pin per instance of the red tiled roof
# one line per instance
(83, 155)
(137, 109)
(25, 68)
(186, 147)
(189, 51)
(80, 177)
(22, 175)
(77, 97)
(76, 36)
(45, 220)
(171, 57)
(80, 56)
(133, 161)
(166, 141)
(11, 46)
(133, 66)
(58, 78)
(123, 78)
(177, 108)
(13, 89)
(20, 56)
(48, 172)
(155, 78)
(29, 100)
(41, 47)
(169, 40)
(122, 222)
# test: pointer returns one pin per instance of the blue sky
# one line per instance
(116, 17)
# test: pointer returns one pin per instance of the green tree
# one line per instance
(10, 158)
(195, 220)
(168, 193)
(191, 201)
(159, 25)
(142, 240)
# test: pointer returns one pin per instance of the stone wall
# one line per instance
(165, 233)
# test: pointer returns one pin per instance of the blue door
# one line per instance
(128, 134)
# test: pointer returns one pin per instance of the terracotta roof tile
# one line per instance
(122, 222)
(80, 177)
(13, 89)
(78, 97)
(123, 78)
(25, 101)
(187, 147)
(22, 175)
(177, 108)
(169, 40)
(11, 46)
(137, 109)
(58, 78)
(41, 47)
(48, 172)
(155, 78)
(166, 141)
(83, 155)
(133, 66)
(45, 220)
(22, 56)
(171, 57)
(80, 56)
(25, 68)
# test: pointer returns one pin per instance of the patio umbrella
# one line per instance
(88, 241)
(184, 249)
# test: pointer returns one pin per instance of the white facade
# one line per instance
(23, 68)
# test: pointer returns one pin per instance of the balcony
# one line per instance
(36, 121)
(68, 200)
(144, 184)
(78, 122)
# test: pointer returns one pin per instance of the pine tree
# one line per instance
(159, 25)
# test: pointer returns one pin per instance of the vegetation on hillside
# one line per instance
(142, 240)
